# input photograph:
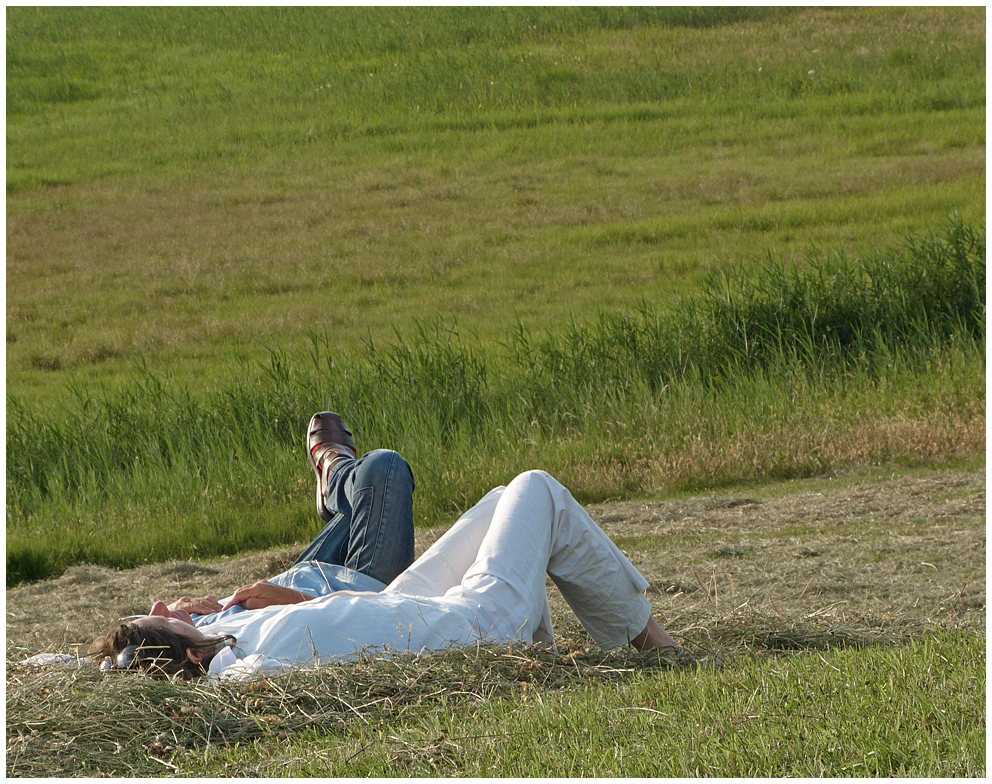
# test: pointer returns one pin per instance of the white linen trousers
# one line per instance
(484, 579)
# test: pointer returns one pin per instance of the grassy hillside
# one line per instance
(188, 186)
(652, 250)
(647, 249)
(160, 90)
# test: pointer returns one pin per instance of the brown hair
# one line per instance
(164, 650)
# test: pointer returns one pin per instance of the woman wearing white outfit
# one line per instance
(482, 580)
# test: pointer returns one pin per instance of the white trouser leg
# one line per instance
(489, 583)
(537, 528)
(445, 563)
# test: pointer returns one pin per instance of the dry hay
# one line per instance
(873, 564)
(912, 547)
(130, 719)
(48, 733)
(168, 718)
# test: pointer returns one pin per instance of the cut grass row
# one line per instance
(916, 708)
(789, 372)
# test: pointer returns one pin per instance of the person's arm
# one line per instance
(265, 594)
(203, 605)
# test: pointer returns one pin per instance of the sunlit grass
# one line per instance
(216, 196)
(442, 223)
(905, 707)
(864, 712)
(787, 372)
(179, 90)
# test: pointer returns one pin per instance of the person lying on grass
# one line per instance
(356, 585)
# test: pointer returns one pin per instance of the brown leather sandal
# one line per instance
(328, 442)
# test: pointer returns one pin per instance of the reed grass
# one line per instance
(791, 371)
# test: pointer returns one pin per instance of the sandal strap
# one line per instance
(329, 434)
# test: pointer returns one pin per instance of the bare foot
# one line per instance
(653, 636)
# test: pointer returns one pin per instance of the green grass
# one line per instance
(184, 186)
(788, 372)
(652, 250)
(137, 90)
(529, 237)
(909, 711)
(913, 708)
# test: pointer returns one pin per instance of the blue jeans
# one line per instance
(372, 528)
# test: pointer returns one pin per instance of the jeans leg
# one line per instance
(330, 544)
(372, 528)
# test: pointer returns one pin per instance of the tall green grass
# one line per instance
(787, 372)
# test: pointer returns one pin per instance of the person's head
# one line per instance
(159, 645)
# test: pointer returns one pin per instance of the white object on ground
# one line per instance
(66, 660)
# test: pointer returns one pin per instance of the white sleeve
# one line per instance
(226, 664)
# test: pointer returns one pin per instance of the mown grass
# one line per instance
(190, 185)
(183, 185)
(789, 372)
(908, 707)
(174, 89)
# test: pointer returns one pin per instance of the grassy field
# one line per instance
(839, 622)
(784, 372)
(916, 709)
(216, 217)
(190, 186)
(656, 251)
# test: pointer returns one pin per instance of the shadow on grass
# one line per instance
(747, 630)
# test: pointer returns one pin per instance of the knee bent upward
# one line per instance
(528, 476)
(375, 467)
